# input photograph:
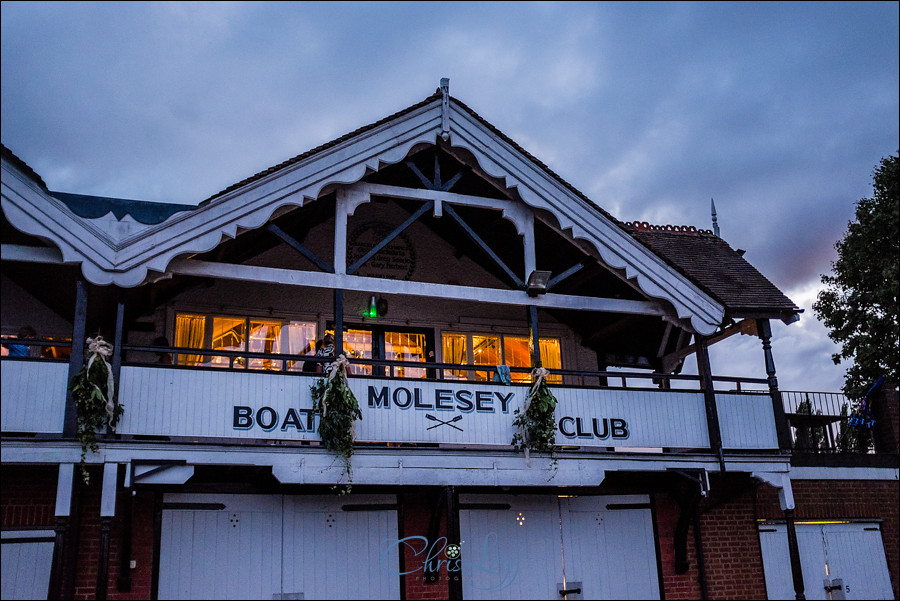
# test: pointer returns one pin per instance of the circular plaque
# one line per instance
(396, 261)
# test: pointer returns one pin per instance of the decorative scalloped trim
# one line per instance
(261, 216)
(610, 256)
(130, 276)
(689, 230)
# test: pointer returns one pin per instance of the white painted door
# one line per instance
(531, 547)
(278, 547)
(852, 552)
(340, 548)
(220, 547)
(510, 546)
(25, 560)
(609, 547)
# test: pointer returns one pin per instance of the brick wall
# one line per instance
(675, 586)
(89, 536)
(29, 497)
(417, 509)
(733, 559)
(845, 499)
(89, 545)
(886, 409)
(731, 548)
(141, 548)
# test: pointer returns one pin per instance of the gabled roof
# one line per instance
(22, 166)
(713, 265)
(129, 259)
(142, 211)
(323, 147)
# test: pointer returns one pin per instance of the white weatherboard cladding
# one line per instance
(128, 262)
(202, 403)
(746, 421)
(33, 395)
(853, 552)
(278, 547)
(26, 564)
(519, 547)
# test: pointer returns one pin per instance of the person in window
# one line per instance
(313, 366)
(22, 350)
(324, 348)
(327, 349)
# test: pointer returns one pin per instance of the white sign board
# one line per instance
(194, 403)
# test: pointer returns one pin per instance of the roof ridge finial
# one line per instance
(714, 220)
(445, 108)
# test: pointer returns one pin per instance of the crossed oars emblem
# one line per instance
(441, 422)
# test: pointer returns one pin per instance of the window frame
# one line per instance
(206, 353)
(470, 365)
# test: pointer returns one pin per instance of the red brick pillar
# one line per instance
(886, 409)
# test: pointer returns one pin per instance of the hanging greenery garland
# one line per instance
(94, 391)
(338, 409)
(535, 422)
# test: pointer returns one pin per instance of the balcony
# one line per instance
(449, 407)
(824, 431)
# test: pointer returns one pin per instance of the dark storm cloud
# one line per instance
(780, 111)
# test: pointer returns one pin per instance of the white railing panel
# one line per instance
(746, 421)
(203, 403)
(33, 395)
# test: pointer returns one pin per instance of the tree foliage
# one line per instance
(859, 305)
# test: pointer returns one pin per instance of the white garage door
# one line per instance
(26, 559)
(533, 547)
(852, 552)
(278, 547)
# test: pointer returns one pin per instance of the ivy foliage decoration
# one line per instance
(94, 391)
(535, 423)
(338, 410)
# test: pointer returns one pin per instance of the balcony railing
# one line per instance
(820, 423)
(449, 404)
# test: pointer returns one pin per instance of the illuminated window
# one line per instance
(518, 354)
(358, 345)
(228, 334)
(401, 346)
(513, 351)
(485, 351)
(190, 332)
(242, 334)
(455, 352)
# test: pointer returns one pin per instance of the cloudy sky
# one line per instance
(779, 111)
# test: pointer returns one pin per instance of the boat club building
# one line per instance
(445, 276)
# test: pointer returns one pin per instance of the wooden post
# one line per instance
(709, 398)
(76, 359)
(453, 538)
(117, 350)
(63, 509)
(794, 550)
(535, 338)
(338, 322)
(781, 425)
(107, 512)
(103, 562)
(73, 541)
